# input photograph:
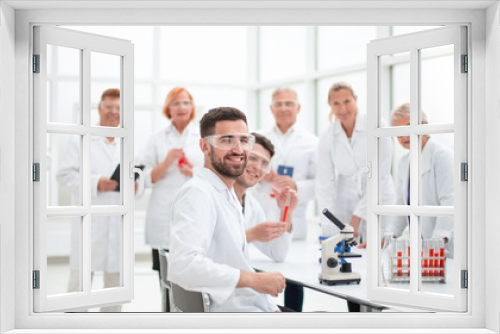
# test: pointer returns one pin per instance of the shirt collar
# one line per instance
(291, 130)
(212, 178)
(360, 124)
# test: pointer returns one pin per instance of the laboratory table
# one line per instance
(302, 267)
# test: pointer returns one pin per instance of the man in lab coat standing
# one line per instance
(208, 247)
(293, 166)
(105, 230)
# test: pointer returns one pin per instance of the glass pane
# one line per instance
(63, 254)
(266, 116)
(105, 80)
(282, 52)
(63, 169)
(106, 251)
(394, 257)
(357, 80)
(394, 94)
(333, 40)
(437, 84)
(143, 128)
(105, 165)
(209, 54)
(64, 97)
(437, 173)
(437, 255)
(388, 173)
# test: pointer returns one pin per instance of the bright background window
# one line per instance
(241, 66)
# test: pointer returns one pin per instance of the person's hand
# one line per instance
(355, 220)
(281, 195)
(362, 245)
(282, 181)
(106, 184)
(269, 177)
(136, 186)
(174, 155)
(266, 231)
(186, 169)
(270, 283)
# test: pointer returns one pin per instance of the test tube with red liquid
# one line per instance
(441, 255)
(431, 257)
(399, 254)
(286, 208)
(436, 255)
(425, 255)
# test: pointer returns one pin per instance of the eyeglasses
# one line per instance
(260, 160)
(229, 141)
(285, 103)
(110, 106)
(183, 103)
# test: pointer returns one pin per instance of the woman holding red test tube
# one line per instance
(169, 157)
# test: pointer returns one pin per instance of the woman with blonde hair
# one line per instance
(169, 158)
(342, 152)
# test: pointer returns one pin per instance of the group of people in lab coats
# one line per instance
(218, 188)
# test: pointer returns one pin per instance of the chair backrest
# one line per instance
(164, 268)
(189, 301)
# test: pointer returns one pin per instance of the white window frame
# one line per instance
(85, 43)
(473, 320)
(413, 43)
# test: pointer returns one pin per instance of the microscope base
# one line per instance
(341, 279)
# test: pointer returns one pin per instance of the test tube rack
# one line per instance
(433, 261)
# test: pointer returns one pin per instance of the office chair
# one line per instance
(165, 285)
(188, 301)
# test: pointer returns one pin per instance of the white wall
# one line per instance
(7, 157)
(492, 164)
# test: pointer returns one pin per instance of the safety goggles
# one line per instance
(258, 159)
(229, 141)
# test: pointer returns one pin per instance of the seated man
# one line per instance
(436, 182)
(271, 238)
(208, 249)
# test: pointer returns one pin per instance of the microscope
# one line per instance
(334, 251)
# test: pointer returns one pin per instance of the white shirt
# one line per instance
(105, 230)
(164, 190)
(338, 162)
(437, 190)
(208, 246)
(276, 249)
(295, 148)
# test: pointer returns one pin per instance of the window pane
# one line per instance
(64, 95)
(106, 74)
(208, 54)
(357, 80)
(282, 52)
(394, 260)
(63, 169)
(394, 94)
(106, 251)
(63, 252)
(437, 257)
(105, 158)
(437, 83)
(339, 47)
(393, 172)
(437, 174)
(143, 128)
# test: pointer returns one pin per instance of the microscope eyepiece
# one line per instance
(333, 219)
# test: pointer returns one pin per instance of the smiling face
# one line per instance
(181, 108)
(254, 172)
(344, 106)
(227, 163)
(285, 109)
(403, 140)
(109, 111)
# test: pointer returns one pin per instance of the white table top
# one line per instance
(302, 267)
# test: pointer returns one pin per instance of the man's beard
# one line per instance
(223, 169)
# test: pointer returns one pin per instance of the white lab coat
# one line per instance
(276, 249)
(164, 190)
(295, 148)
(105, 230)
(338, 162)
(437, 190)
(208, 246)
